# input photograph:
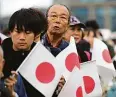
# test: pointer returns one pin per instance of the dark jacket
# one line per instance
(13, 60)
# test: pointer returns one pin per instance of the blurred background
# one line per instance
(103, 11)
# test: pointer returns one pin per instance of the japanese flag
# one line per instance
(83, 83)
(101, 54)
(91, 79)
(41, 70)
(74, 86)
(68, 58)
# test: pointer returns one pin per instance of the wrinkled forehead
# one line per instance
(59, 9)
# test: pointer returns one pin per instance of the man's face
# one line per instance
(22, 40)
(74, 31)
(58, 19)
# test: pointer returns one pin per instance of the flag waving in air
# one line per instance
(74, 85)
(83, 82)
(100, 53)
(92, 85)
(68, 58)
(41, 70)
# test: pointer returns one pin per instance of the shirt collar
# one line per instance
(48, 40)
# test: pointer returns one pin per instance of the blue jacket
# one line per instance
(19, 87)
(54, 50)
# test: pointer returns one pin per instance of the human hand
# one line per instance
(10, 82)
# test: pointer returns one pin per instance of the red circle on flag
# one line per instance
(45, 72)
(71, 61)
(89, 84)
(79, 92)
(106, 56)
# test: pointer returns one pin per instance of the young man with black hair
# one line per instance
(23, 25)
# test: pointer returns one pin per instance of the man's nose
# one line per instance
(58, 20)
(22, 35)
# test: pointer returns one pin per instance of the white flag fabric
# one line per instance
(68, 58)
(83, 83)
(101, 54)
(2, 36)
(91, 79)
(74, 86)
(41, 70)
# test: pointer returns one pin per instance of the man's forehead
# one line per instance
(58, 8)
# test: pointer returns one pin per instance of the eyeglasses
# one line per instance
(63, 18)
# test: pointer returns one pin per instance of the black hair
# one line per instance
(88, 30)
(92, 24)
(61, 5)
(28, 20)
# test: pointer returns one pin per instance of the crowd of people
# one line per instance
(28, 26)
